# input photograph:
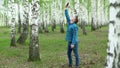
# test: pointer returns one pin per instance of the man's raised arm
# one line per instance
(66, 13)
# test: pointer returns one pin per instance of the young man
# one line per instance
(72, 37)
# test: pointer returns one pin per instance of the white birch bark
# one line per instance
(113, 51)
(99, 19)
(12, 21)
(93, 11)
(93, 15)
(34, 40)
(24, 33)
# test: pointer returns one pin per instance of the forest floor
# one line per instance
(92, 50)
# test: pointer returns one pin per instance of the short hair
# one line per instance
(76, 20)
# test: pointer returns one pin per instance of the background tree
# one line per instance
(12, 20)
(53, 15)
(93, 14)
(5, 4)
(24, 34)
(19, 19)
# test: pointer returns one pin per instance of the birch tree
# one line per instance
(34, 41)
(113, 51)
(61, 19)
(19, 20)
(53, 21)
(24, 34)
(93, 15)
(5, 11)
(5, 4)
(12, 20)
(46, 21)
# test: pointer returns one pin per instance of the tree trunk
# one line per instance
(61, 27)
(83, 27)
(93, 28)
(93, 14)
(34, 41)
(40, 28)
(19, 20)
(24, 34)
(46, 22)
(43, 25)
(6, 19)
(61, 19)
(53, 25)
(113, 51)
(53, 16)
(13, 42)
(12, 10)
(46, 30)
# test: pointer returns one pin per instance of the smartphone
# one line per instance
(67, 4)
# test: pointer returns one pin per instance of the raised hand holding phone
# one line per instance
(66, 5)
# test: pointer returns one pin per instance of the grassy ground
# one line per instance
(92, 50)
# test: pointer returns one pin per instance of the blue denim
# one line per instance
(69, 53)
(72, 30)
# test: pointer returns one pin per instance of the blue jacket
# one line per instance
(72, 30)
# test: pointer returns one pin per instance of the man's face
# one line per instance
(72, 19)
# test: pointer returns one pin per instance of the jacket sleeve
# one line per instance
(67, 16)
(74, 38)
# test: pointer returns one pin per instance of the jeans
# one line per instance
(69, 52)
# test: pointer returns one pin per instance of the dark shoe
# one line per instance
(77, 67)
(70, 66)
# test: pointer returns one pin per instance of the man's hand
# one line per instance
(66, 5)
(72, 46)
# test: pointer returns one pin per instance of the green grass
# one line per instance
(92, 50)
